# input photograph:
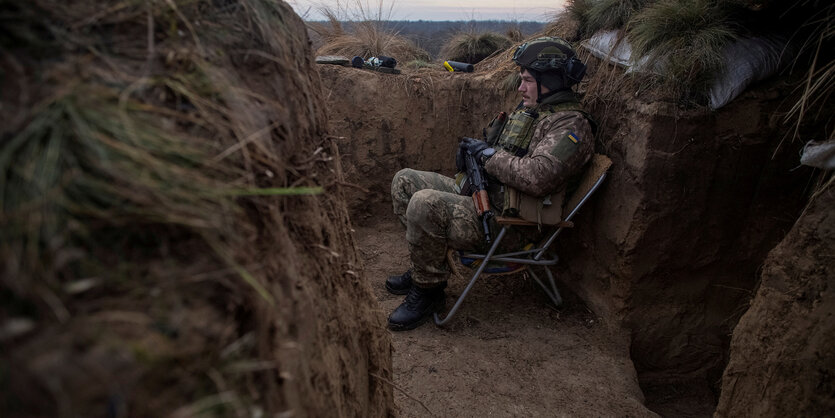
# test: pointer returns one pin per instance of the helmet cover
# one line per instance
(550, 54)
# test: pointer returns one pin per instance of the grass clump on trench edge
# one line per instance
(593, 16)
(92, 158)
(363, 35)
(685, 39)
(113, 149)
(139, 161)
(818, 32)
(472, 47)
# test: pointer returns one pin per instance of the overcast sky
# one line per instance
(538, 10)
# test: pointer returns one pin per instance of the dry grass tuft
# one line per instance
(683, 39)
(142, 158)
(471, 47)
(365, 38)
(582, 18)
(418, 64)
(819, 82)
(566, 25)
(609, 14)
(514, 34)
(686, 39)
(120, 149)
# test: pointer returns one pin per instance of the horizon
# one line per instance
(444, 21)
(432, 10)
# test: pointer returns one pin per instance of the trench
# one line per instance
(669, 248)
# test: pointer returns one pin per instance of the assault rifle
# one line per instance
(476, 176)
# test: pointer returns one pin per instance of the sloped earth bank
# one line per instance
(168, 327)
(507, 352)
(666, 256)
(782, 356)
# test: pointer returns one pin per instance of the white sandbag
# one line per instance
(612, 46)
(819, 155)
(609, 46)
(746, 61)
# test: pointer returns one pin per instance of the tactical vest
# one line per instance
(514, 135)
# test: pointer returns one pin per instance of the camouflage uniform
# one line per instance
(561, 144)
(436, 217)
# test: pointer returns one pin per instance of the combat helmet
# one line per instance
(552, 62)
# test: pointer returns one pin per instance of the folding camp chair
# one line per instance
(591, 180)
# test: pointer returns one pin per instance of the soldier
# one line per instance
(527, 156)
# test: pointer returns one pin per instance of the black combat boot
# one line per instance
(399, 285)
(418, 307)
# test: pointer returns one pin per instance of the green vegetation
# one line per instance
(609, 14)
(685, 38)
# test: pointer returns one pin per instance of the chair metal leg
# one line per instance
(553, 292)
(481, 267)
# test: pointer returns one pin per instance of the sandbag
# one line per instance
(747, 61)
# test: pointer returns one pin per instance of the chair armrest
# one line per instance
(508, 220)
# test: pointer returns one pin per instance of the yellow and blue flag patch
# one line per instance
(566, 146)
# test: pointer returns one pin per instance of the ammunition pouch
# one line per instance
(494, 129)
(518, 130)
(545, 210)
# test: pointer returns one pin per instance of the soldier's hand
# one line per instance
(478, 149)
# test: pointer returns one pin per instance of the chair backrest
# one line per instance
(592, 177)
(589, 182)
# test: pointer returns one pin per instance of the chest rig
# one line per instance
(513, 134)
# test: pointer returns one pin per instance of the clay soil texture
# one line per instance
(507, 352)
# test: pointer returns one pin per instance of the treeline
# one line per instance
(432, 35)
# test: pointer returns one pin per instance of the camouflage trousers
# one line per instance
(437, 218)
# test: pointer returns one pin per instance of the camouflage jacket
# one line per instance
(560, 146)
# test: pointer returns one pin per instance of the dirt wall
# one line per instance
(695, 202)
(782, 357)
(384, 123)
(670, 247)
(136, 302)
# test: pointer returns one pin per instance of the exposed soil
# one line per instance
(141, 304)
(508, 351)
(663, 261)
(782, 356)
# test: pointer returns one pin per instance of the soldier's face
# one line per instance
(528, 88)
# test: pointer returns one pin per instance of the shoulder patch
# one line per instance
(566, 146)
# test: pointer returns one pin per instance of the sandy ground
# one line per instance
(508, 352)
